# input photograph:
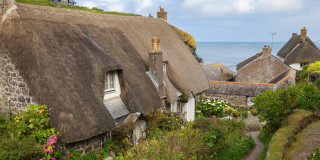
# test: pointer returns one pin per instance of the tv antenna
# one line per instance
(272, 34)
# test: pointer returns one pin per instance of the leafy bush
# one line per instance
(275, 106)
(315, 155)
(314, 67)
(28, 129)
(254, 112)
(212, 107)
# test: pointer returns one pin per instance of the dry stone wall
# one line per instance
(14, 92)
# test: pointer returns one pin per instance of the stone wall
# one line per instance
(234, 100)
(14, 92)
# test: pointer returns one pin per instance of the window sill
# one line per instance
(111, 91)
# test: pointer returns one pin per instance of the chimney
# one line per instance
(162, 14)
(156, 65)
(304, 32)
(294, 34)
(266, 50)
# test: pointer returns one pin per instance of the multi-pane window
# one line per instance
(110, 81)
(303, 64)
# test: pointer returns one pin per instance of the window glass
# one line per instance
(110, 81)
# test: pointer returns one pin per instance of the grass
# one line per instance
(73, 7)
(280, 137)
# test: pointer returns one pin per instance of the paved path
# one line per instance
(256, 151)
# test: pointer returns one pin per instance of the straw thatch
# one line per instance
(304, 52)
(294, 40)
(218, 72)
(63, 56)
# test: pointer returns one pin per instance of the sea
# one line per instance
(231, 53)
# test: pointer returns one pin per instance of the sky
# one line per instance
(228, 20)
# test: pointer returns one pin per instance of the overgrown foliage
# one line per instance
(315, 155)
(21, 135)
(275, 106)
(205, 138)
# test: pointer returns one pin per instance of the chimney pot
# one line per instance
(154, 41)
(266, 49)
(304, 32)
(158, 44)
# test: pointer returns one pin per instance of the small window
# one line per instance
(303, 64)
(110, 81)
(164, 65)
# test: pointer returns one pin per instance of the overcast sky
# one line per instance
(228, 20)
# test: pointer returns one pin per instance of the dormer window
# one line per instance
(110, 81)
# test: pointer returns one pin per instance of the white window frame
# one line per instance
(110, 77)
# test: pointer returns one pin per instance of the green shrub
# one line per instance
(24, 148)
(315, 155)
(30, 128)
(309, 97)
(211, 107)
(254, 112)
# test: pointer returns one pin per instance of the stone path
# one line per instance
(256, 151)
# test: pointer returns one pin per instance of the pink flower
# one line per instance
(167, 117)
(46, 150)
(44, 146)
(53, 158)
(178, 148)
(53, 146)
(41, 159)
(158, 150)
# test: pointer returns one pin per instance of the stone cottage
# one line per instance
(256, 75)
(299, 51)
(94, 71)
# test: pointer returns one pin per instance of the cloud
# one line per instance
(217, 8)
(89, 4)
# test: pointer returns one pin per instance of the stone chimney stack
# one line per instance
(162, 14)
(304, 32)
(156, 65)
(266, 50)
(294, 34)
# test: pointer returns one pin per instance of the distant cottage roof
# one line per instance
(63, 56)
(218, 72)
(299, 48)
(247, 61)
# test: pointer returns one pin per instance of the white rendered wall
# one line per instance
(174, 107)
(188, 109)
(116, 92)
(296, 66)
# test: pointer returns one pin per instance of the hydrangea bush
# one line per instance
(213, 107)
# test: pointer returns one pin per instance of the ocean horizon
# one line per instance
(231, 53)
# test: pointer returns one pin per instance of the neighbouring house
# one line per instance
(95, 71)
(219, 72)
(299, 51)
(256, 75)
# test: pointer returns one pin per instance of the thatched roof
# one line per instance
(294, 40)
(247, 61)
(304, 52)
(218, 72)
(297, 50)
(63, 56)
(239, 88)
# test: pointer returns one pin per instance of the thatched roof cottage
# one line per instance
(94, 70)
(299, 51)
